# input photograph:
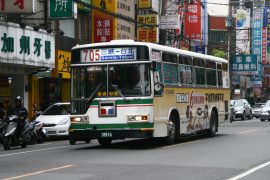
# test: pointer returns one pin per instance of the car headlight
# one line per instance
(63, 122)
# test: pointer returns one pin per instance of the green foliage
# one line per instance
(219, 53)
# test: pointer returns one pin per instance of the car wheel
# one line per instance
(262, 119)
(170, 139)
(87, 141)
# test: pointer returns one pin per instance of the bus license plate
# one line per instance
(106, 134)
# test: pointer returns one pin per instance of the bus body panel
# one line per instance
(181, 99)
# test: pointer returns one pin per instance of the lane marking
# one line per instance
(37, 150)
(43, 144)
(39, 172)
(175, 145)
(243, 132)
(250, 171)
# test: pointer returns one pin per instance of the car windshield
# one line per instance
(58, 109)
(236, 103)
(258, 105)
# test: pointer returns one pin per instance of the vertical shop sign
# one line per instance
(257, 45)
(103, 27)
(267, 17)
(264, 45)
(147, 34)
(61, 8)
(193, 20)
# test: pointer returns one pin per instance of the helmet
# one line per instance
(19, 99)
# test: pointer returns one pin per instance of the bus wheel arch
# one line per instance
(173, 127)
(213, 122)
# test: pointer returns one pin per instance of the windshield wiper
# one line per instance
(92, 96)
(119, 91)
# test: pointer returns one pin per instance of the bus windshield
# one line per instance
(124, 80)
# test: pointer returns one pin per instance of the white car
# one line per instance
(56, 119)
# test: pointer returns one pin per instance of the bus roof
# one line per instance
(127, 42)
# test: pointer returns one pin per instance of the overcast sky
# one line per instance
(216, 9)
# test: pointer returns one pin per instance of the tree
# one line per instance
(219, 53)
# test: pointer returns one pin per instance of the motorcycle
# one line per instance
(3, 123)
(10, 134)
(36, 132)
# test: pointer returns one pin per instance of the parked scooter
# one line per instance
(3, 123)
(10, 135)
(36, 132)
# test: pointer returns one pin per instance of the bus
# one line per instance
(127, 89)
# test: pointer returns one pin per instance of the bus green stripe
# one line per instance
(112, 126)
(132, 101)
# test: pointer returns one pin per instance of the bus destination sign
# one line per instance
(108, 54)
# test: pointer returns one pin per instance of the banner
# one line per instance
(193, 20)
(257, 45)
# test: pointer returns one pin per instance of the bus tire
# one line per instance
(105, 141)
(171, 137)
(213, 124)
(72, 141)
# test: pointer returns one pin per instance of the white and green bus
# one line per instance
(127, 89)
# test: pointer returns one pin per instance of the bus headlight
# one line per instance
(136, 118)
(81, 119)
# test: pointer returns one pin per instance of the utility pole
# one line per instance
(229, 24)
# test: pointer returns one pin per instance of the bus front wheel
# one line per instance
(170, 139)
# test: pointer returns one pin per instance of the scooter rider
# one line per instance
(21, 112)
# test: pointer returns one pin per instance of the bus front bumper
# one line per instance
(112, 134)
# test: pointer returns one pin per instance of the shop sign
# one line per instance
(149, 4)
(170, 22)
(103, 27)
(244, 64)
(18, 6)
(147, 34)
(257, 45)
(150, 19)
(61, 8)
(25, 46)
(63, 63)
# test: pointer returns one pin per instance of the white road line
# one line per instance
(175, 145)
(37, 150)
(248, 131)
(250, 171)
(39, 172)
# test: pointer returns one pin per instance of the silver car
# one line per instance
(257, 109)
(265, 114)
(240, 108)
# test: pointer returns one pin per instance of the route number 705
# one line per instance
(90, 55)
